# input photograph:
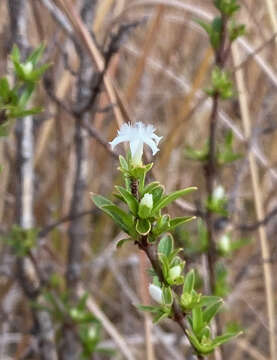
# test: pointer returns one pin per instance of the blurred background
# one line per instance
(115, 61)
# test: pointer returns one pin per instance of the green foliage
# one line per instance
(87, 325)
(227, 246)
(21, 240)
(201, 155)
(145, 224)
(129, 199)
(14, 99)
(221, 84)
(144, 216)
(217, 203)
(164, 309)
(122, 242)
(213, 30)
(189, 298)
(28, 71)
(225, 153)
(124, 220)
(200, 331)
(193, 244)
(166, 200)
(227, 7)
(236, 30)
(171, 264)
(221, 283)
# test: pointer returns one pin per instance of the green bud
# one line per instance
(225, 244)
(27, 68)
(175, 272)
(145, 206)
(186, 300)
(92, 332)
(76, 314)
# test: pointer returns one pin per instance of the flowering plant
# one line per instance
(149, 229)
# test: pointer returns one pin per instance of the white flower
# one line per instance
(156, 293)
(137, 135)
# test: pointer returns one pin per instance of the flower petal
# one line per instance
(136, 147)
(117, 140)
(137, 135)
(152, 145)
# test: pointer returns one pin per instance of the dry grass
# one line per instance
(157, 77)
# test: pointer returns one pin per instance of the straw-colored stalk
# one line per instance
(258, 199)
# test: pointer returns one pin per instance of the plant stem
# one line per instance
(210, 168)
(152, 254)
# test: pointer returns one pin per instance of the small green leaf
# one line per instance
(227, 7)
(157, 194)
(121, 242)
(25, 96)
(152, 309)
(200, 348)
(166, 245)
(15, 55)
(143, 226)
(123, 219)
(130, 200)
(189, 282)
(100, 200)
(210, 312)
(150, 187)
(4, 89)
(18, 113)
(160, 316)
(166, 200)
(197, 155)
(219, 340)
(19, 70)
(123, 163)
(179, 221)
(167, 296)
(36, 74)
(164, 265)
(197, 320)
(208, 300)
(162, 225)
(36, 55)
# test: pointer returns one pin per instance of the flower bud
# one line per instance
(175, 272)
(92, 332)
(27, 68)
(145, 206)
(156, 293)
(76, 314)
(218, 193)
(225, 244)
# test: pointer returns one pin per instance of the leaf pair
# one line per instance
(124, 220)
